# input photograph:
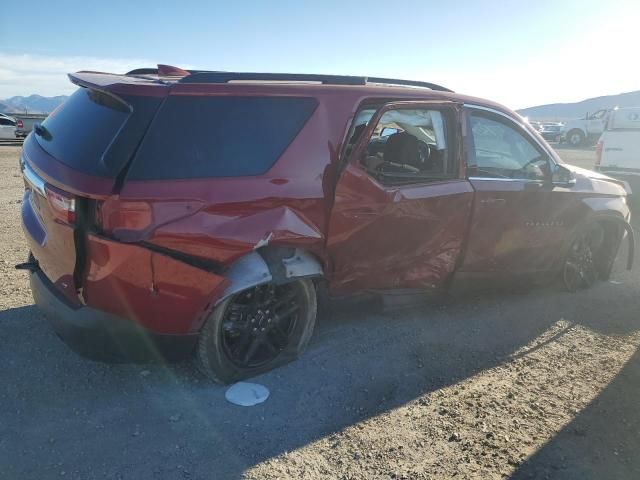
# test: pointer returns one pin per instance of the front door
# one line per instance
(401, 208)
(520, 219)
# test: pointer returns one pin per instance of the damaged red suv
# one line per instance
(175, 212)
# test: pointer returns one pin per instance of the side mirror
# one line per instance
(563, 177)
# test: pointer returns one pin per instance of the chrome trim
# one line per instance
(498, 179)
(32, 178)
(519, 124)
(621, 173)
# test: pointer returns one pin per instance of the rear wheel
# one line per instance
(257, 330)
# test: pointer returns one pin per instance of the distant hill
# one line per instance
(567, 111)
(31, 104)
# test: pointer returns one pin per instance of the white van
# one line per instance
(618, 150)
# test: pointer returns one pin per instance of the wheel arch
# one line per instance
(608, 220)
(270, 264)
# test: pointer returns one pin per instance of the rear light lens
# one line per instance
(118, 216)
(599, 147)
(19, 124)
(62, 204)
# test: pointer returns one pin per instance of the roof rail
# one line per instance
(199, 76)
(411, 83)
(202, 76)
(207, 76)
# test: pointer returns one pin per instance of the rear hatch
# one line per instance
(77, 156)
(619, 146)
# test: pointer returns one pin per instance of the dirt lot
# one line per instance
(528, 384)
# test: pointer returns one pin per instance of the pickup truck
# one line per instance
(583, 130)
(618, 150)
(25, 123)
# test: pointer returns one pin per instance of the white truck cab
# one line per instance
(577, 132)
(618, 150)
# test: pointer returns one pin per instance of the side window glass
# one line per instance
(357, 129)
(408, 146)
(498, 150)
(5, 121)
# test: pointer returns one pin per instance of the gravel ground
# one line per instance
(511, 384)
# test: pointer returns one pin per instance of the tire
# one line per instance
(575, 138)
(244, 323)
(587, 259)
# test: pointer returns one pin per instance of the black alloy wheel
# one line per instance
(258, 323)
(256, 330)
(579, 269)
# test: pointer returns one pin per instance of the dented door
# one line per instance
(397, 236)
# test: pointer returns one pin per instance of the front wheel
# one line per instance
(583, 265)
(575, 138)
(256, 330)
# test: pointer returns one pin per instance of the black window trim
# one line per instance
(449, 118)
(509, 121)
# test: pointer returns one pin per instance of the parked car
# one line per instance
(25, 123)
(551, 131)
(618, 150)
(7, 127)
(588, 129)
(212, 236)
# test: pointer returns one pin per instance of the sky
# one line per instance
(517, 53)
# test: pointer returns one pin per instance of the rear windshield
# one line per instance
(79, 132)
(201, 137)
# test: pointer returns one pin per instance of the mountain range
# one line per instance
(31, 104)
(552, 111)
(567, 111)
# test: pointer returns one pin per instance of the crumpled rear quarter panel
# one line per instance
(159, 293)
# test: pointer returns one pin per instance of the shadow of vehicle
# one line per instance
(92, 420)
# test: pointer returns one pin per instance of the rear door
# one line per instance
(401, 207)
(621, 141)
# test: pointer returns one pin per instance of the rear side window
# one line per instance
(79, 132)
(200, 137)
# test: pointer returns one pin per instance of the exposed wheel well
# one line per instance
(606, 232)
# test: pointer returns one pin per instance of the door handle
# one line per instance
(493, 201)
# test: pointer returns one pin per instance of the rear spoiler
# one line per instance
(120, 84)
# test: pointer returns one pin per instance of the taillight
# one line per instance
(120, 216)
(62, 204)
(19, 124)
(599, 147)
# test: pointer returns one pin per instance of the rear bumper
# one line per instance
(102, 336)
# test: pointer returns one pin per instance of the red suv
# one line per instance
(171, 212)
